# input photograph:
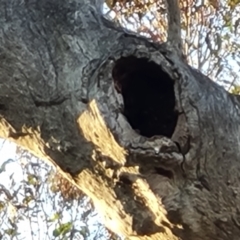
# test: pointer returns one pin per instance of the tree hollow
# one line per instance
(148, 94)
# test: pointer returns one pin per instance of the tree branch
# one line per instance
(174, 24)
(152, 141)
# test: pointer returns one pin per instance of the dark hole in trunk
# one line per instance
(164, 172)
(148, 94)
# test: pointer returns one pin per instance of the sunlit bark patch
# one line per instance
(148, 94)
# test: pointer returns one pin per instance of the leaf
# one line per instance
(63, 229)
(55, 217)
(27, 199)
(233, 3)
(11, 232)
(32, 180)
(236, 90)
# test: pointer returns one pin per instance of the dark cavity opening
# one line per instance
(148, 95)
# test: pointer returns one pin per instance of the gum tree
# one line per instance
(153, 142)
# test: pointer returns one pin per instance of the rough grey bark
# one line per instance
(152, 141)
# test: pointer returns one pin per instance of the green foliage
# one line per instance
(32, 180)
(30, 210)
(233, 3)
(210, 31)
(11, 232)
(63, 229)
(236, 90)
(55, 217)
(27, 199)
(2, 205)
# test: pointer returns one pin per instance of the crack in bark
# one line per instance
(58, 99)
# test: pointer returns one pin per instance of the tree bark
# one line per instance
(153, 142)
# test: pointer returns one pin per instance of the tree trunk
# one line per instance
(153, 142)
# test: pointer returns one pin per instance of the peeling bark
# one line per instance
(152, 141)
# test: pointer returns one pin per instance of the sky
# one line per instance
(35, 223)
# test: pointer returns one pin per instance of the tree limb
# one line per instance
(152, 141)
(174, 24)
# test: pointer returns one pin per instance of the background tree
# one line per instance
(37, 203)
(152, 141)
(210, 32)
